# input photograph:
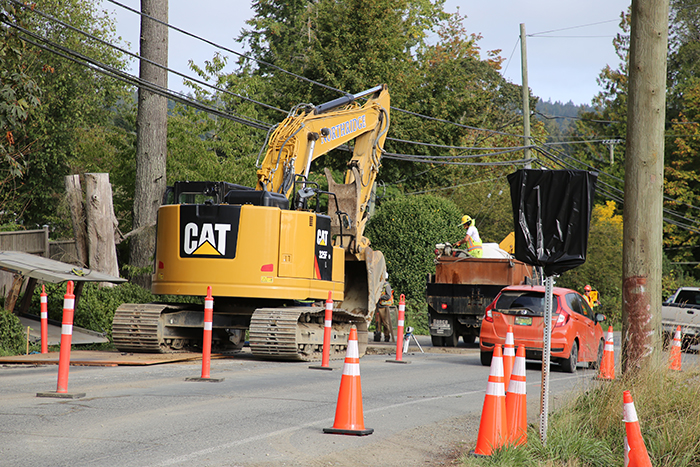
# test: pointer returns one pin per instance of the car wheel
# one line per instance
(569, 364)
(596, 364)
(453, 340)
(486, 358)
(437, 341)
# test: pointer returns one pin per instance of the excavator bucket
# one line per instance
(363, 284)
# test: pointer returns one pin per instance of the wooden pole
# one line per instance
(644, 177)
(526, 93)
(151, 134)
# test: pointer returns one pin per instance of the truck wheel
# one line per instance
(486, 358)
(453, 340)
(437, 341)
(468, 338)
(569, 364)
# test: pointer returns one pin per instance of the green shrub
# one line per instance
(406, 231)
(96, 307)
(12, 334)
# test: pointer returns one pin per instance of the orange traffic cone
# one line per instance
(516, 401)
(607, 363)
(349, 419)
(508, 356)
(635, 452)
(493, 429)
(674, 358)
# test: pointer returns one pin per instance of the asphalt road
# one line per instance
(263, 413)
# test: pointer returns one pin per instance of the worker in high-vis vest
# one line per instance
(471, 239)
(386, 300)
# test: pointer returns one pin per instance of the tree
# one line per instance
(74, 98)
(386, 42)
(152, 133)
(603, 267)
(19, 96)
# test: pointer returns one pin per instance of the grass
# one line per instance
(589, 431)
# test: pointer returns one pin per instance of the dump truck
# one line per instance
(463, 286)
(271, 255)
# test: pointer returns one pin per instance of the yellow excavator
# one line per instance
(269, 254)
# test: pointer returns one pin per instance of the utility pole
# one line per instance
(526, 94)
(644, 177)
(151, 135)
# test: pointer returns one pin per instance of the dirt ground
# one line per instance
(433, 445)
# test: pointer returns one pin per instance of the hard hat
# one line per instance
(386, 275)
(466, 219)
(587, 288)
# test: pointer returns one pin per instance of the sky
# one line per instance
(562, 65)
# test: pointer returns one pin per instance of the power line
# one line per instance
(138, 57)
(262, 62)
(100, 67)
(573, 27)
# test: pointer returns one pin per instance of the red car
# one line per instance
(576, 333)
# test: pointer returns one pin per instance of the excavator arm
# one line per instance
(310, 132)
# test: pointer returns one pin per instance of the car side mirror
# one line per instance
(600, 317)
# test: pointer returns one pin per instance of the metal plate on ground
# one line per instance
(102, 358)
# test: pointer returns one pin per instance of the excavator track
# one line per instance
(136, 328)
(297, 333)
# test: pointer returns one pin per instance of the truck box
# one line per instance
(461, 289)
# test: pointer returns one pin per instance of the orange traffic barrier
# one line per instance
(64, 353)
(349, 419)
(44, 309)
(516, 401)
(66, 338)
(493, 428)
(206, 336)
(636, 454)
(327, 328)
(399, 332)
(508, 356)
(607, 363)
(674, 358)
(206, 340)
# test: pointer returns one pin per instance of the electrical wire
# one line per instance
(138, 57)
(126, 77)
(262, 62)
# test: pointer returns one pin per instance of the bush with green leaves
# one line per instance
(12, 334)
(406, 230)
(96, 307)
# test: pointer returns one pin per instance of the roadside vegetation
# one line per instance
(589, 431)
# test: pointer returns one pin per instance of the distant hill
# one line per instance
(557, 117)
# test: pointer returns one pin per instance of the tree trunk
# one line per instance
(74, 195)
(644, 178)
(101, 224)
(151, 134)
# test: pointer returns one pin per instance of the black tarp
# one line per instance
(552, 216)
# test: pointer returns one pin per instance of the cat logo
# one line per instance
(205, 242)
(322, 237)
(208, 231)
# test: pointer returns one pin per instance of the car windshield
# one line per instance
(514, 301)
